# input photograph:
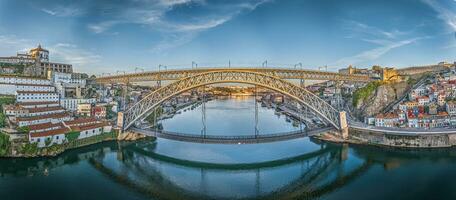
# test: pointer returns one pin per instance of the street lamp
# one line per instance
(136, 68)
(194, 64)
(264, 64)
(300, 64)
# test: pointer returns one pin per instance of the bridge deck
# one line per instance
(225, 139)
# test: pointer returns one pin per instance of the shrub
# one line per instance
(4, 144)
(364, 92)
(72, 136)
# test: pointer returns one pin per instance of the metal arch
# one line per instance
(145, 105)
(279, 72)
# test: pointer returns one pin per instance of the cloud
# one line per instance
(60, 52)
(375, 53)
(63, 11)
(444, 13)
(385, 42)
(102, 27)
(72, 54)
(10, 44)
(362, 29)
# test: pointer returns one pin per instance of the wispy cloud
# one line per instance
(375, 53)
(60, 52)
(63, 11)
(160, 16)
(385, 42)
(445, 12)
(71, 53)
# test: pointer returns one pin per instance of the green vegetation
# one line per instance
(4, 144)
(23, 129)
(411, 81)
(109, 113)
(72, 136)
(364, 92)
(4, 100)
(30, 148)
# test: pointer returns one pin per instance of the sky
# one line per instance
(101, 36)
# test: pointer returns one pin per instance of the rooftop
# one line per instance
(80, 121)
(56, 115)
(37, 103)
(45, 109)
(35, 92)
(45, 126)
(59, 131)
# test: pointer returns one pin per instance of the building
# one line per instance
(451, 107)
(85, 109)
(53, 118)
(387, 120)
(36, 96)
(99, 112)
(72, 104)
(37, 62)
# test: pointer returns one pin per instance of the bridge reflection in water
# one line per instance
(232, 139)
(143, 171)
(309, 175)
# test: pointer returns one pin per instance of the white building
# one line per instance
(72, 104)
(53, 118)
(23, 80)
(36, 96)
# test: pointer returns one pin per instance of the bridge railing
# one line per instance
(234, 137)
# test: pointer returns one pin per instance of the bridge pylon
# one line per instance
(120, 121)
(343, 124)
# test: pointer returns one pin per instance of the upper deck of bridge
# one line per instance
(284, 73)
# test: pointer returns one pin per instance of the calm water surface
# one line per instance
(295, 169)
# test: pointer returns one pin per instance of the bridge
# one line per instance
(270, 78)
(283, 73)
(232, 139)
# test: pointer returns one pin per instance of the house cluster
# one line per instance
(50, 107)
(429, 105)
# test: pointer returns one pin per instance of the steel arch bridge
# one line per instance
(141, 109)
(282, 73)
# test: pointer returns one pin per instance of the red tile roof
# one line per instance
(37, 103)
(55, 115)
(45, 109)
(88, 127)
(79, 121)
(45, 126)
(51, 132)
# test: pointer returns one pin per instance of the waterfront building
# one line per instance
(387, 120)
(49, 137)
(451, 107)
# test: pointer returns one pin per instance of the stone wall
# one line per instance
(400, 140)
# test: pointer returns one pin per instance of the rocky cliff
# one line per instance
(378, 99)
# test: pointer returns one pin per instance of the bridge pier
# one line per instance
(343, 129)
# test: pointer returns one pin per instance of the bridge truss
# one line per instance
(141, 109)
(302, 74)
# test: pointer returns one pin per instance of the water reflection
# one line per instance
(138, 168)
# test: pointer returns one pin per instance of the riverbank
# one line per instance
(23, 149)
(383, 139)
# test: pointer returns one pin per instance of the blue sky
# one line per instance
(108, 35)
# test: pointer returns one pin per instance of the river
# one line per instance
(295, 169)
